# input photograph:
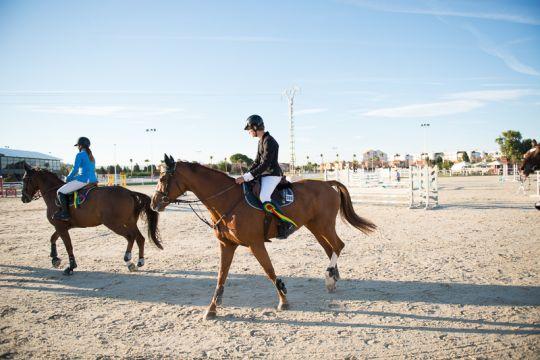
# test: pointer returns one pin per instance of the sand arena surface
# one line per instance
(458, 281)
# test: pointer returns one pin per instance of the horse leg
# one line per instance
(140, 245)
(56, 261)
(227, 254)
(260, 253)
(127, 255)
(332, 245)
(69, 248)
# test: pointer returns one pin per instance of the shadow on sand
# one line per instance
(194, 288)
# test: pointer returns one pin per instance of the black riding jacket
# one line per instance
(266, 162)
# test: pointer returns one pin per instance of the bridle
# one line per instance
(165, 199)
(38, 194)
(164, 194)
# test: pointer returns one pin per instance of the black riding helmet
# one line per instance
(254, 122)
(83, 141)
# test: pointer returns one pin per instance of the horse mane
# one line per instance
(196, 167)
(48, 174)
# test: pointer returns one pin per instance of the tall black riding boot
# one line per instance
(63, 213)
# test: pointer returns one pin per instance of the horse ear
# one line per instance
(166, 159)
(28, 168)
(534, 143)
(172, 159)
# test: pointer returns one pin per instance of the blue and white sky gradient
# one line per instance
(370, 73)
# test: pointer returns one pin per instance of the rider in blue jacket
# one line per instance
(83, 173)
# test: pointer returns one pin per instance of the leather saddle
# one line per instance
(283, 195)
(78, 197)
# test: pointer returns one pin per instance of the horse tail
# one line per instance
(347, 210)
(143, 210)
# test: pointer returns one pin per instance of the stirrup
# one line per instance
(61, 215)
(284, 230)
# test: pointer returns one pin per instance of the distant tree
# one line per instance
(511, 145)
(438, 161)
(101, 171)
(241, 158)
(136, 168)
(223, 166)
(110, 169)
(64, 169)
(446, 165)
(526, 145)
(466, 157)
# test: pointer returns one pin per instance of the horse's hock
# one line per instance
(416, 187)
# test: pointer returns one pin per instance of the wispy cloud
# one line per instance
(310, 111)
(456, 103)
(104, 111)
(52, 93)
(406, 7)
(492, 95)
(306, 127)
(224, 38)
(427, 110)
(501, 52)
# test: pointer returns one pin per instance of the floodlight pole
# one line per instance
(290, 93)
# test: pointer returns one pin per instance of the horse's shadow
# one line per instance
(306, 294)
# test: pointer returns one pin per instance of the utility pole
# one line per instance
(425, 126)
(114, 164)
(290, 93)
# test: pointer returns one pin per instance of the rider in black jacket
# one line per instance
(266, 167)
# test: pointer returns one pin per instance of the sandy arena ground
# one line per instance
(460, 281)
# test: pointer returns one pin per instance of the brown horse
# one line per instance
(531, 160)
(531, 163)
(316, 206)
(113, 206)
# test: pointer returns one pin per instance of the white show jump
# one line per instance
(416, 187)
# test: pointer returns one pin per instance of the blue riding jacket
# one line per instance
(83, 170)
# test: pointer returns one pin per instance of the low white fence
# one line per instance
(416, 187)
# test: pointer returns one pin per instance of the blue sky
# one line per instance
(370, 72)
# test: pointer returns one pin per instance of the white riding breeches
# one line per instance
(71, 187)
(268, 184)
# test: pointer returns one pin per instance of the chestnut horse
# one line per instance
(316, 206)
(531, 160)
(113, 206)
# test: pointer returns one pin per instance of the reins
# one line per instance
(179, 201)
(201, 217)
(39, 194)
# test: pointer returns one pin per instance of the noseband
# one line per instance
(165, 194)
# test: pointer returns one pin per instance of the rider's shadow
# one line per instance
(306, 294)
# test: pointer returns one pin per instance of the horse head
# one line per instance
(30, 187)
(168, 187)
(531, 160)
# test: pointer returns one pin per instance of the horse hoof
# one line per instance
(331, 287)
(283, 306)
(68, 271)
(132, 267)
(209, 315)
(140, 263)
(56, 262)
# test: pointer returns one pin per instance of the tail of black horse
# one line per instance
(143, 209)
(347, 210)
